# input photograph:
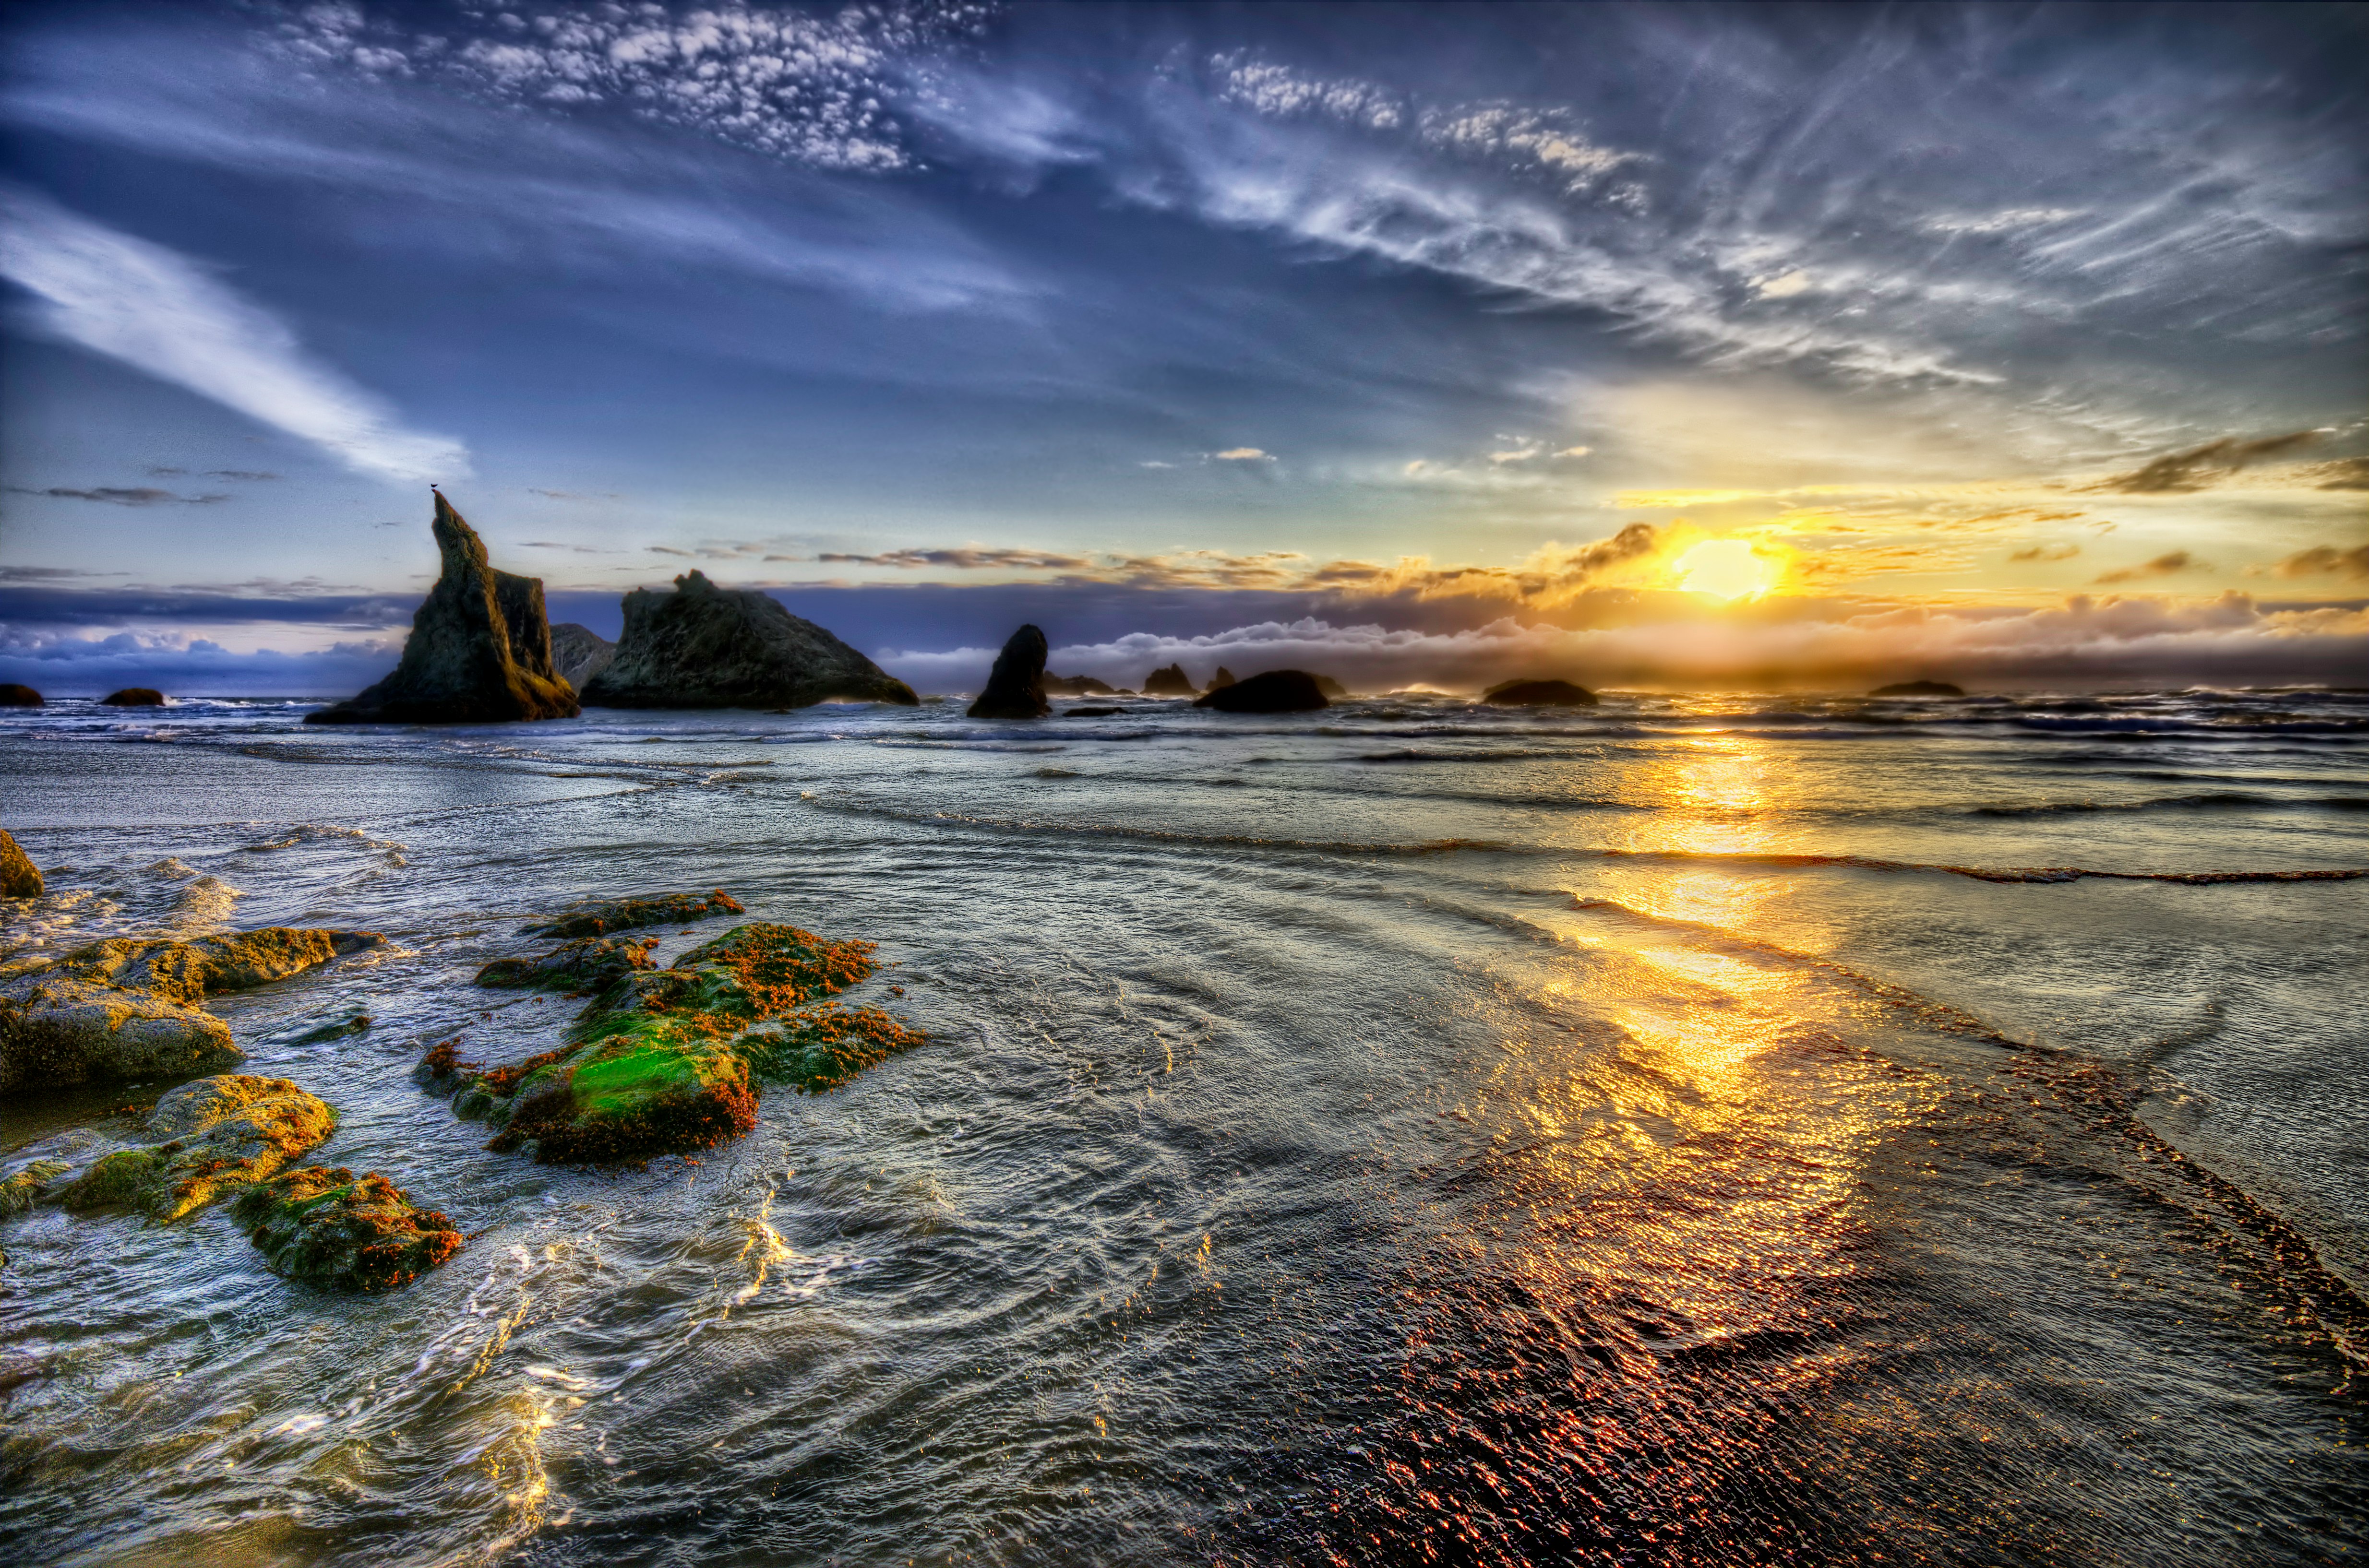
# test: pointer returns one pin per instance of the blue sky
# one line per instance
(1425, 344)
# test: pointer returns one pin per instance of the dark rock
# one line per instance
(578, 653)
(358, 1023)
(1015, 687)
(134, 697)
(1091, 712)
(15, 696)
(701, 646)
(668, 1061)
(479, 650)
(590, 963)
(649, 909)
(1539, 694)
(1276, 692)
(1223, 677)
(1918, 688)
(326, 1224)
(1170, 682)
(1330, 686)
(20, 877)
(128, 1007)
(1075, 686)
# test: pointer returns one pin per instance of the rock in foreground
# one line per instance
(134, 697)
(326, 1224)
(1918, 688)
(648, 909)
(15, 696)
(667, 1061)
(479, 651)
(220, 1134)
(1171, 681)
(1276, 692)
(1015, 687)
(1539, 694)
(701, 646)
(578, 653)
(20, 877)
(128, 1007)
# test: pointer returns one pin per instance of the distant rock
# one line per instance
(15, 696)
(1091, 712)
(1015, 687)
(701, 646)
(20, 877)
(479, 650)
(578, 653)
(134, 697)
(1330, 686)
(646, 909)
(1918, 688)
(328, 1225)
(1170, 682)
(1222, 678)
(1539, 694)
(1075, 686)
(1276, 692)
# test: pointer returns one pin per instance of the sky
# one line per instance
(1416, 344)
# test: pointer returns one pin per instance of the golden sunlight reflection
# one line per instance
(1726, 569)
(1717, 795)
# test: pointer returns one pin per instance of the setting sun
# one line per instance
(1727, 568)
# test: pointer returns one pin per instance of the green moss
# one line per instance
(328, 1224)
(822, 1048)
(20, 1191)
(127, 1178)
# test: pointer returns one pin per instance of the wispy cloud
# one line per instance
(2169, 564)
(2323, 560)
(1244, 455)
(141, 495)
(2198, 467)
(164, 313)
(965, 558)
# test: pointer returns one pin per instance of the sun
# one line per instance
(1725, 568)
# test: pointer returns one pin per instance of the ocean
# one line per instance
(1728, 1128)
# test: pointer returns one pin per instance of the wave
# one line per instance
(1985, 873)
(2218, 799)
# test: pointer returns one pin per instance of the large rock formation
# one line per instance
(128, 1007)
(15, 696)
(1170, 682)
(578, 653)
(20, 877)
(1276, 692)
(479, 651)
(1539, 694)
(134, 697)
(1015, 687)
(701, 646)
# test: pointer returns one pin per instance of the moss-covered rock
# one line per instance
(28, 1184)
(667, 1061)
(326, 1224)
(625, 914)
(590, 963)
(20, 877)
(128, 1007)
(218, 1134)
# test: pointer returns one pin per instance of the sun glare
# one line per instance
(1725, 568)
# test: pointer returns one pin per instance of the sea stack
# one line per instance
(701, 646)
(1275, 691)
(1015, 687)
(1170, 682)
(479, 651)
(578, 653)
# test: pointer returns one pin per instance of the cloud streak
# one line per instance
(164, 314)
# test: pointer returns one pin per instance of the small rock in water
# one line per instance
(326, 1224)
(1275, 691)
(20, 877)
(359, 1023)
(134, 697)
(647, 909)
(1091, 712)
(15, 696)
(1015, 687)
(1539, 694)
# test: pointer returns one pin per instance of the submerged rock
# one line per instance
(1275, 691)
(701, 646)
(592, 964)
(134, 697)
(646, 909)
(20, 877)
(326, 1224)
(479, 650)
(1091, 712)
(1171, 681)
(15, 696)
(667, 1061)
(1539, 694)
(128, 1007)
(220, 1134)
(1015, 687)
(1918, 688)
(578, 653)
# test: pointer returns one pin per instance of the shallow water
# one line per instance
(1696, 1130)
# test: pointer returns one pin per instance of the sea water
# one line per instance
(1692, 1130)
